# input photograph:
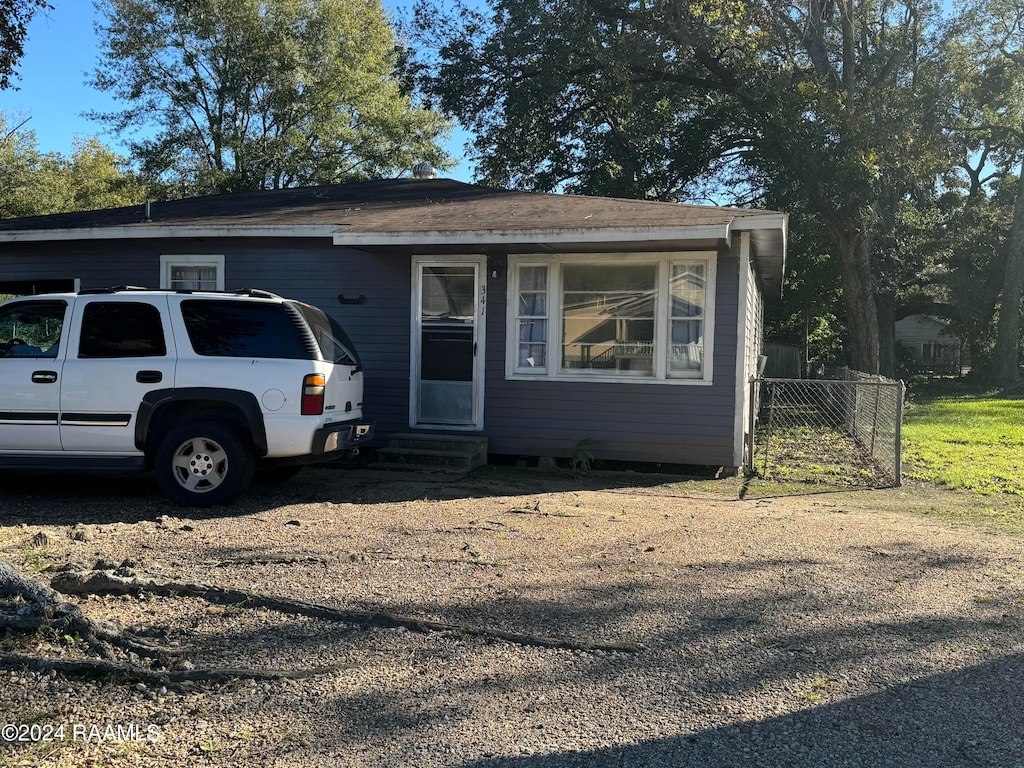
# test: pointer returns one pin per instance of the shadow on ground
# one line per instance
(54, 498)
(971, 717)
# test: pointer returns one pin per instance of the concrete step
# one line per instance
(432, 452)
(438, 442)
(428, 457)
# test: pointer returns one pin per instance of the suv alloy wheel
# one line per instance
(202, 463)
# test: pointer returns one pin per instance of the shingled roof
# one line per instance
(413, 211)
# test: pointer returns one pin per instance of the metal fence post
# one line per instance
(901, 392)
(752, 425)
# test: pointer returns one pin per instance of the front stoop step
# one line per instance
(432, 453)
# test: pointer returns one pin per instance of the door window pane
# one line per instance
(608, 315)
(121, 329)
(449, 293)
(31, 329)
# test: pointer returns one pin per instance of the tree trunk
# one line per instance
(1005, 364)
(886, 334)
(858, 297)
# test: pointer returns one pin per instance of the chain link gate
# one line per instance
(845, 432)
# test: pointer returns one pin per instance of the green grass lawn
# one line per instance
(974, 443)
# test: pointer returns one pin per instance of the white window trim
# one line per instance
(664, 261)
(168, 261)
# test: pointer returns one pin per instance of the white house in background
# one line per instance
(931, 342)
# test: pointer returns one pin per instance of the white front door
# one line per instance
(447, 342)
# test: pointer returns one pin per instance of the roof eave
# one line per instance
(157, 231)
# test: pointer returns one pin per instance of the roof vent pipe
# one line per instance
(145, 216)
(424, 171)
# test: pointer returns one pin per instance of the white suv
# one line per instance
(203, 387)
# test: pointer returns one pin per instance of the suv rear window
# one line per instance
(335, 345)
(243, 329)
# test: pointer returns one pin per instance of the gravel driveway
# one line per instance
(849, 629)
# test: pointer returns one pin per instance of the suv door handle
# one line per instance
(44, 377)
(149, 377)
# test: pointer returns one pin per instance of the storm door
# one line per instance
(446, 343)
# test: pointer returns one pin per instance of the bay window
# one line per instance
(644, 317)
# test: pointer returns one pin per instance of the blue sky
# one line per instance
(60, 52)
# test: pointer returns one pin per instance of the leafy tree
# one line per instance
(832, 103)
(973, 235)
(33, 183)
(258, 94)
(986, 47)
(14, 18)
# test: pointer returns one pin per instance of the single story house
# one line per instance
(930, 344)
(538, 321)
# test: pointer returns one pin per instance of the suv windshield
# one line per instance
(335, 345)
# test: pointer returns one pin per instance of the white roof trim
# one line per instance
(761, 221)
(580, 235)
(152, 231)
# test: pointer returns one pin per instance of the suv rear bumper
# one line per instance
(339, 437)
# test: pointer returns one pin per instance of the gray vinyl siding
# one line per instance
(667, 423)
(97, 264)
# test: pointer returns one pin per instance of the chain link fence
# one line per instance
(843, 432)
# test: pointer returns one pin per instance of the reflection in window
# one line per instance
(686, 298)
(189, 278)
(31, 329)
(448, 293)
(608, 317)
(532, 319)
(631, 317)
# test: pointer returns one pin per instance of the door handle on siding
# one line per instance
(149, 377)
(44, 377)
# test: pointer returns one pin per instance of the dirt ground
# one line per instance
(615, 619)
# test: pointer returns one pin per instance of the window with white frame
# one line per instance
(611, 316)
(531, 326)
(192, 272)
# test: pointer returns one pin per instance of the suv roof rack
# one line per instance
(256, 293)
(112, 289)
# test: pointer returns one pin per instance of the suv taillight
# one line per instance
(313, 394)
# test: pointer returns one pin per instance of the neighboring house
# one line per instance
(930, 342)
(534, 320)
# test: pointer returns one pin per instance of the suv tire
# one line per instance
(203, 463)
